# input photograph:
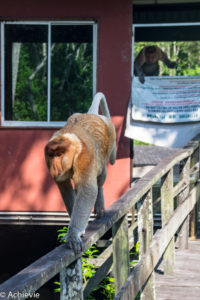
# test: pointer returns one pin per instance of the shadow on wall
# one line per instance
(25, 183)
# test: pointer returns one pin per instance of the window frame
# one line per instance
(48, 123)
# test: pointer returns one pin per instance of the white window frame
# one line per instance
(47, 123)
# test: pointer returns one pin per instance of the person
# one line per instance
(146, 62)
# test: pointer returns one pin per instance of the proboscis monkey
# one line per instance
(146, 62)
(79, 152)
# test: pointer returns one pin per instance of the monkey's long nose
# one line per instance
(55, 170)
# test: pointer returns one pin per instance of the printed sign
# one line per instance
(166, 99)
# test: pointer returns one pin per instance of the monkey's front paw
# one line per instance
(73, 241)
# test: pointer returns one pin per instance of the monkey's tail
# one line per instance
(99, 100)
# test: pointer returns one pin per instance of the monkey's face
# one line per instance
(151, 58)
(59, 154)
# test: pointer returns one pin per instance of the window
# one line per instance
(48, 71)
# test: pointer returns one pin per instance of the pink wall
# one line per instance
(25, 183)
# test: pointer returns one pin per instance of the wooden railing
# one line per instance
(177, 202)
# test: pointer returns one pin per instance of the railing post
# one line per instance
(184, 230)
(145, 235)
(71, 281)
(120, 252)
(167, 207)
(194, 213)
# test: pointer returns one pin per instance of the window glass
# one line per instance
(26, 72)
(71, 70)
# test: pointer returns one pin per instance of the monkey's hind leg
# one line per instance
(99, 204)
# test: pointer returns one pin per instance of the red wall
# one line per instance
(25, 183)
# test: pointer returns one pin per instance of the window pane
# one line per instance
(71, 70)
(26, 72)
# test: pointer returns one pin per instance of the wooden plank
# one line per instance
(181, 293)
(145, 235)
(194, 214)
(161, 239)
(184, 230)
(71, 281)
(167, 208)
(120, 252)
(176, 281)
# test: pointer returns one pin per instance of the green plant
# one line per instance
(135, 255)
(57, 289)
(61, 233)
(89, 268)
(136, 142)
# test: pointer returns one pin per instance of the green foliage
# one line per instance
(71, 83)
(57, 289)
(136, 142)
(89, 268)
(134, 255)
(105, 289)
(30, 54)
(61, 233)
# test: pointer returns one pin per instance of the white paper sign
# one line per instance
(166, 99)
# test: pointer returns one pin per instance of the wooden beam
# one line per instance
(167, 208)
(120, 252)
(71, 281)
(184, 230)
(145, 234)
